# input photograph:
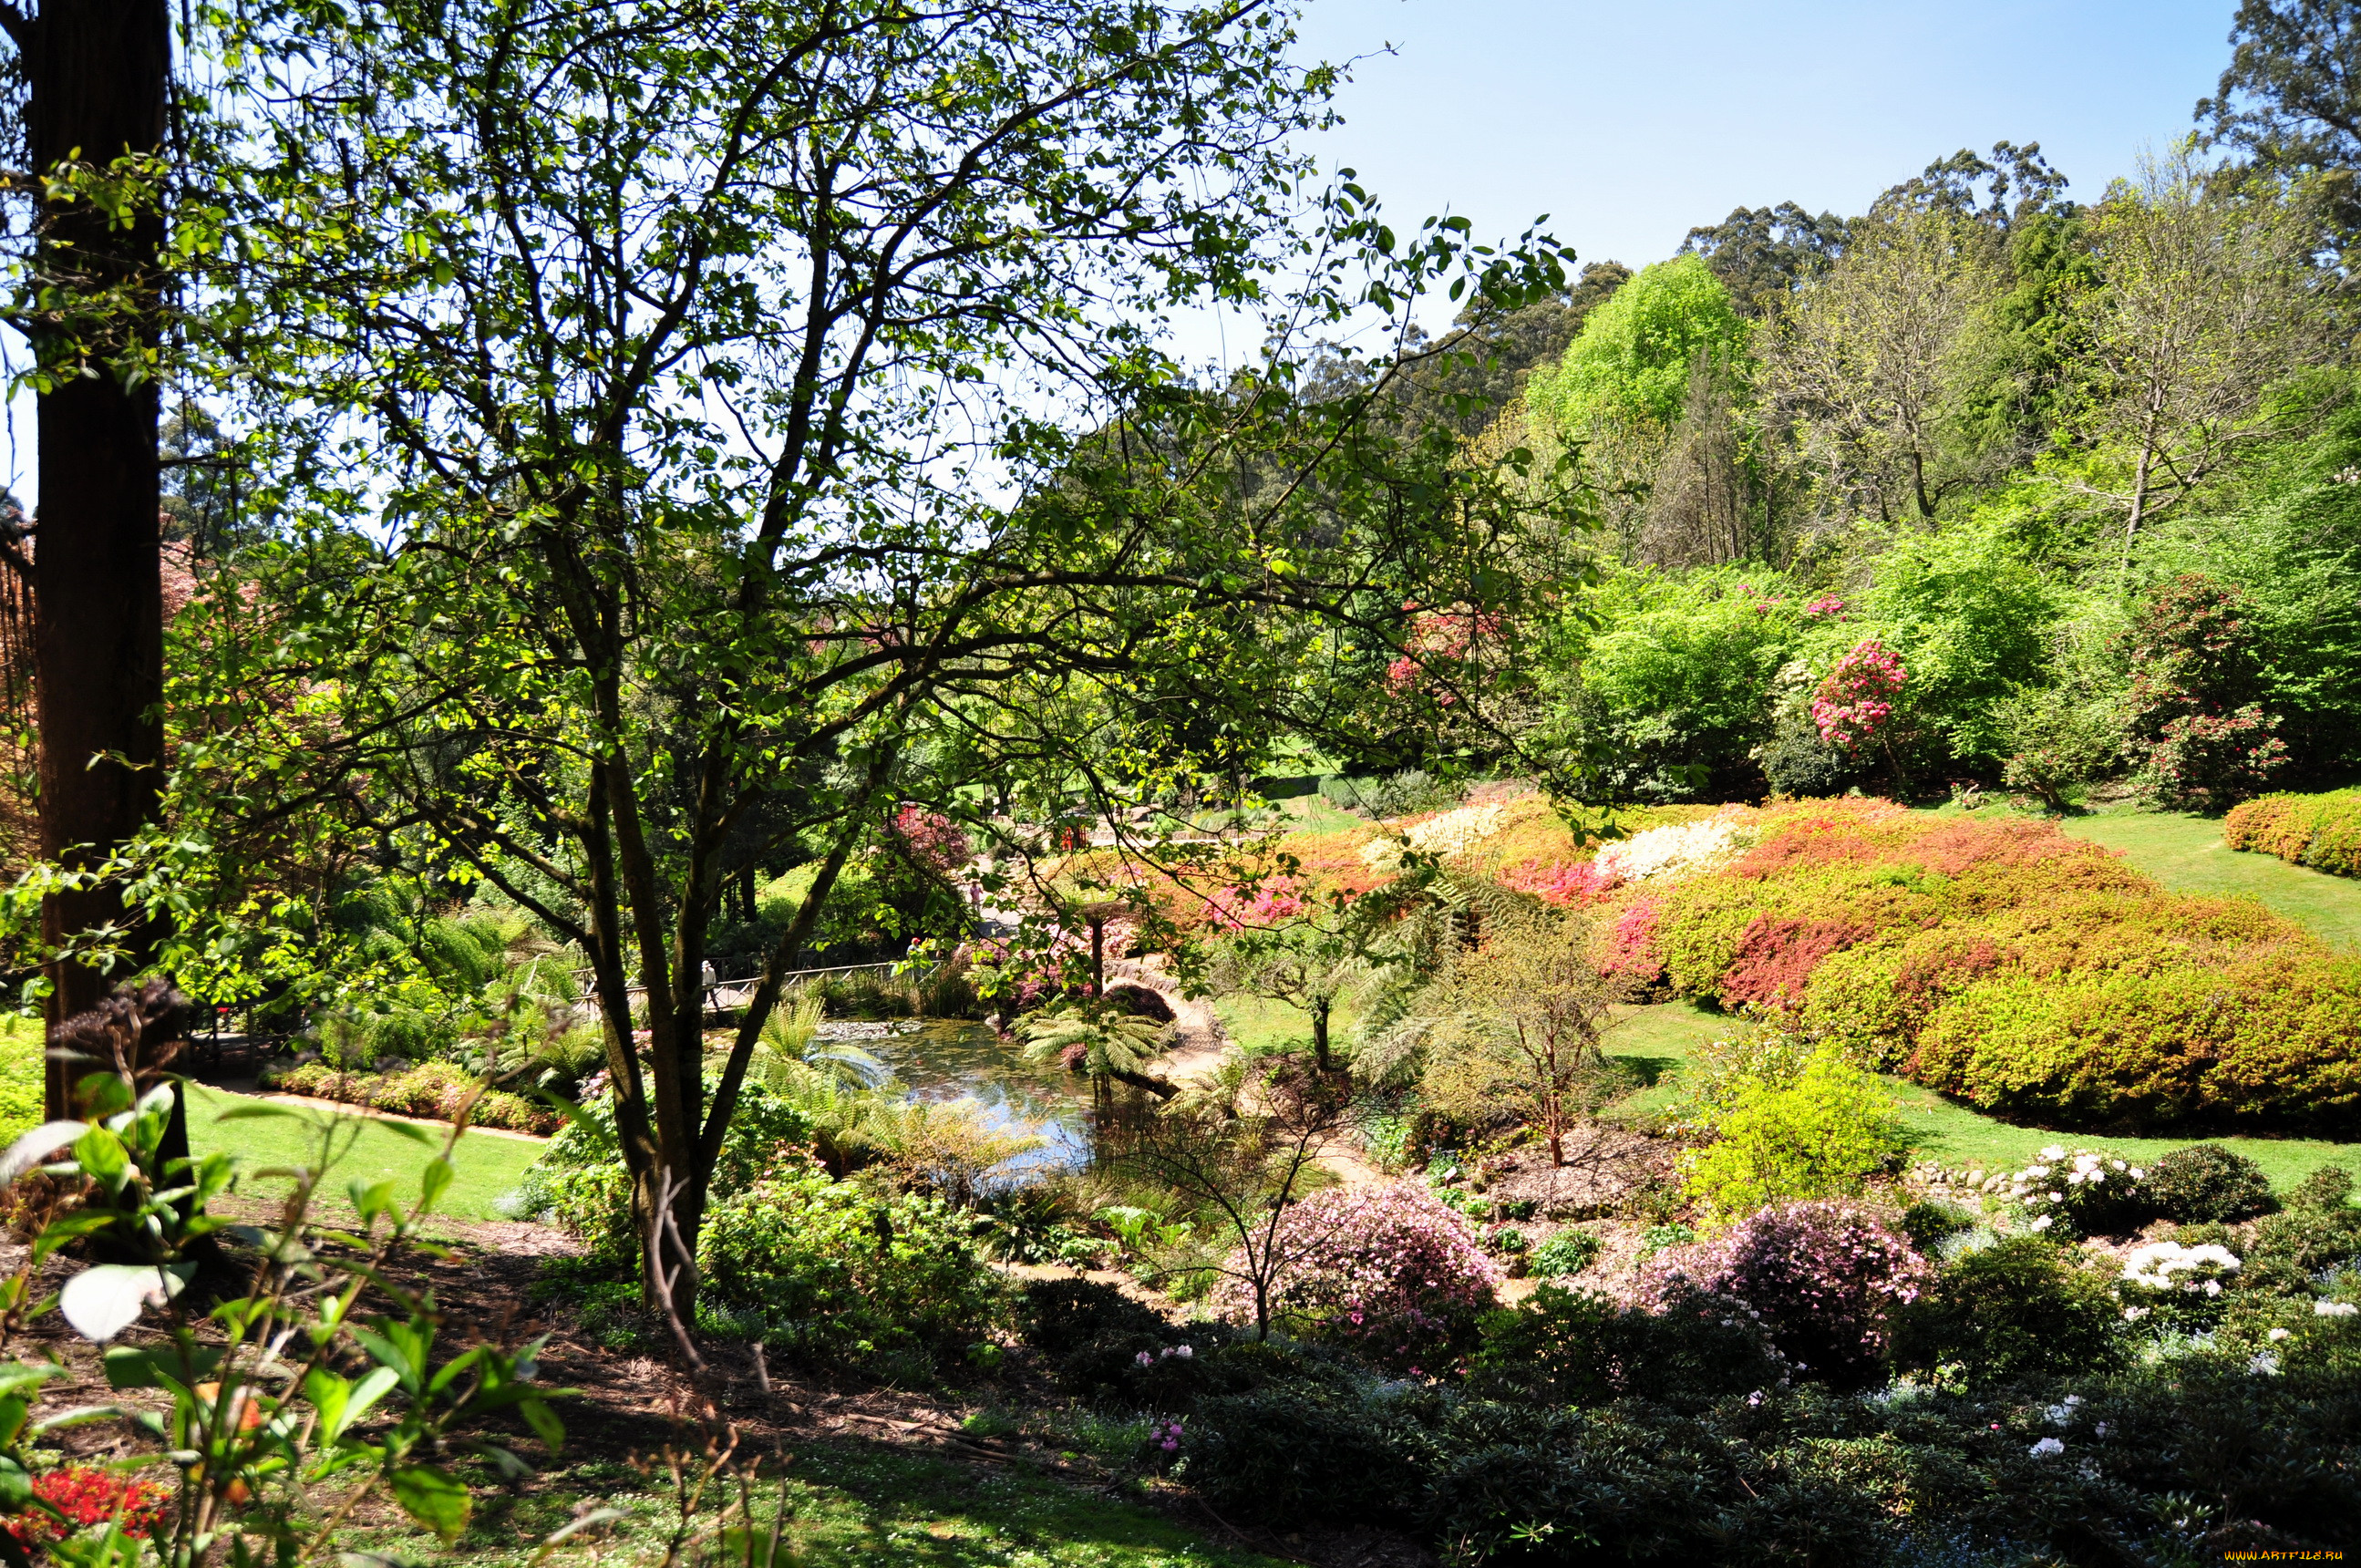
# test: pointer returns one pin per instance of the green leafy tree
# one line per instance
(741, 409)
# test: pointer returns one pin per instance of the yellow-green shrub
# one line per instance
(1821, 1133)
(2275, 1043)
(2323, 831)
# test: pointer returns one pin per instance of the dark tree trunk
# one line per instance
(96, 72)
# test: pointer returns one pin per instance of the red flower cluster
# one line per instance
(932, 840)
(1440, 637)
(1276, 899)
(1562, 882)
(1856, 700)
(88, 1495)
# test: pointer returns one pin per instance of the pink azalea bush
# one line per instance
(1562, 882)
(1273, 900)
(1389, 1270)
(1856, 699)
(932, 840)
(1824, 1277)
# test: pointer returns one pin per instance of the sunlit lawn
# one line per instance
(2187, 855)
(368, 1150)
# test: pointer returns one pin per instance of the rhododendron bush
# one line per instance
(1855, 701)
(1391, 1270)
(1824, 1277)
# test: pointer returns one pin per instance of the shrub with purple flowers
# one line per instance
(1825, 1278)
(1389, 1270)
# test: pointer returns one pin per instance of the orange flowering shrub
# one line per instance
(2323, 831)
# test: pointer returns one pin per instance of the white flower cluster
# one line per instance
(2335, 1310)
(1447, 834)
(1664, 851)
(2044, 1188)
(2162, 1266)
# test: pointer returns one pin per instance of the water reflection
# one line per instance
(944, 1060)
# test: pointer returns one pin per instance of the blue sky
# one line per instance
(1631, 123)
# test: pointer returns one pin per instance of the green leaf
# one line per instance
(433, 1181)
(16, 1487)
(428, 1495)
(100, 1155)
(543, 1421)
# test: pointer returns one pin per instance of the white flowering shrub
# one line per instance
(1672, 850)
(2171, 1284)
(1445, 836)
(2081, 1194)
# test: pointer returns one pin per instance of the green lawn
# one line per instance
(1657, 1040)
(368, 1150)
(848, 1506)
(2187, 855)
(1258, 1024)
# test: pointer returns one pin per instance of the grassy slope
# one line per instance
(854, 1506)
(2184, 853)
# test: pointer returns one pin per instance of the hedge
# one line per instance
(2323, 831)
(434, 1089)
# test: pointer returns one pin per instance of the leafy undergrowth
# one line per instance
(848, 1503)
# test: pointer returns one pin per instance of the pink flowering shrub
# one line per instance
(1275, 899)
(1438, 640)
(1827, 604)
(1562, 882)
(1628, 950)
(1389, 1270)
(1855, 700)
(1824, 1277)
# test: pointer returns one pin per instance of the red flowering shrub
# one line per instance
(1438, 640)
(1629, 951)
(1823, 1277)
(87, 1496)
(1855, 699)
(932, 841)
(1235, 908)
(1391, 1270)
(1776, 959)
(2205, 739)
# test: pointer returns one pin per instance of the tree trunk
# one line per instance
(1318, 1010)
(95, 71)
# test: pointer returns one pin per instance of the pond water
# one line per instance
(945, 1059)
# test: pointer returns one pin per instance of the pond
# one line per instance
(947, 1059)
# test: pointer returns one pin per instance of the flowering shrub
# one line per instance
(1276, 899)
(1776, 959)
(1453, 833)
(2179, 1286)
(1630, 946)
(1391, 1270)
(2206, 741)
(932, 840)
(1855, 699)
(2085, 1194)
(1826, 1278)
(87, 1496)
(2323, 831)
(1438, 640)
(1562, 882)
(1672, 850)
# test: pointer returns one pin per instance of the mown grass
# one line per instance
(1658, 1042)
(847, 1504)
(2187, 855)
(368, 1150)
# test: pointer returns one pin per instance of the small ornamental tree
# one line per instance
(2203, 739)
(1854, 703)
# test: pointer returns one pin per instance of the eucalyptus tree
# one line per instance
(768, 395)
